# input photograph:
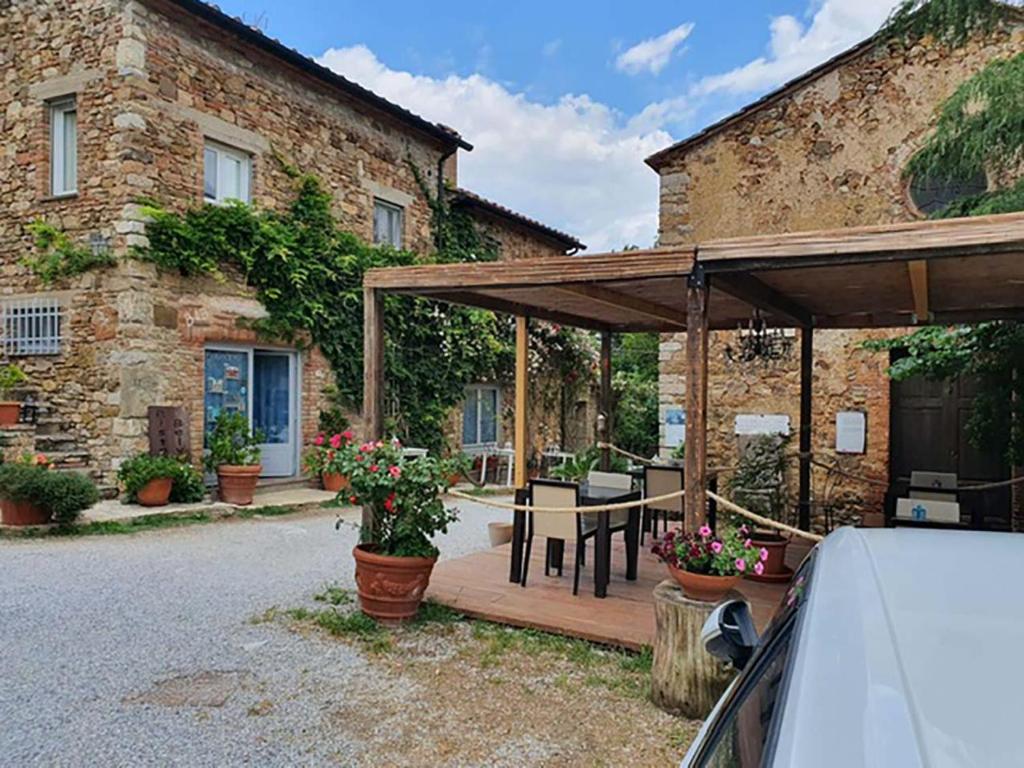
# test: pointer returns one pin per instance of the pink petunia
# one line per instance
(704, 531)
(763, 554)
(335, 441)
(395, 472)
(716, 547)
(318, 440)
(741, 564)
(758, 568)
(748, 544)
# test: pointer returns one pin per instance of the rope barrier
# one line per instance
(617, 507)
(623, 452)
(766, 522)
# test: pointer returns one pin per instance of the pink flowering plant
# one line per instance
(404, 494)
(727, 552)
(327, 455)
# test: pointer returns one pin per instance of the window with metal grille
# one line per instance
(32, 326)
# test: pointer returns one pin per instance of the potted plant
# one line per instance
(325, 460)
(151, 480)
(11, 377)
(759, 484)
(705, 565)
(395, 556)
(32, 494)
(234, 453)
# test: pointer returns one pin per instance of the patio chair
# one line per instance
(617, 480)
(659, 481)
(559, 527)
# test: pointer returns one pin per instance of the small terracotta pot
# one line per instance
(22, 513)
(9, 413)
(390, 588)
(698, 586)
(155, 493)
(236, 484)
(334, 481)
(455, 478)
(775, 565)
(499, 533)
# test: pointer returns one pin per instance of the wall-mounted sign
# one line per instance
(762, 424)
(675, 427)
(851, 431)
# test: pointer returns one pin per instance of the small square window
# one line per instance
(31, 326)
(480, 413)
(387, 223)
(226, 174)
(63, 147)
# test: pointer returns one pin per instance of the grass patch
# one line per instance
(335, 596)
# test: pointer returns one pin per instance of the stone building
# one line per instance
(107, 102)
(828, 150)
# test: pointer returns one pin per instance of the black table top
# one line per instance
(592, 495)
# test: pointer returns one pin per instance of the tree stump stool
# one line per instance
(685, 679)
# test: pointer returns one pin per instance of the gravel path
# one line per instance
(142, 650)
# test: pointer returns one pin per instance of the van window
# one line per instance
(741, 735)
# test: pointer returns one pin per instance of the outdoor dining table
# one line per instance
(590, 496)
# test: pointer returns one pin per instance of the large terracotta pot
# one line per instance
(22, 513)
(775, 568)
(9, 413)
(156, 492)
(391, 588)
(334, 481)
(236, 484)
(707, 589)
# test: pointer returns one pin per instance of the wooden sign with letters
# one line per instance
(168, 431)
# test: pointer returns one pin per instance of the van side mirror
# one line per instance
(729, 633)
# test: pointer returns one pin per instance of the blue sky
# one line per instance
(563, 100)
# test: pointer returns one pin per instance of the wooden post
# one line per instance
(522, 389)
(806, 386)
(685, 679)
(696, 459)
(605, 399)
(373, 376)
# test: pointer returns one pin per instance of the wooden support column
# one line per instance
(373, 375)
(605, 399)
(697, 290)
(806, 387)
(522, 398)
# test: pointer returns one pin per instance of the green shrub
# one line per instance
(584, 463)
(232, 443)
(63, 494)
(135, 473)
(11, 376)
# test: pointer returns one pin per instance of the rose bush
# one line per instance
(327, 456)
(404, 494)
(730, 552)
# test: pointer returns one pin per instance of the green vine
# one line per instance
(58, 257)
(952, 21)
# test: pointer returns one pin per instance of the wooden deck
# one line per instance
(478, 586)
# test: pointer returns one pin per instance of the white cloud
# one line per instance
(552, 47)
(654, 53)
(835, 26)
(575, 164)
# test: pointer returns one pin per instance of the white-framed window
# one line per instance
(63, 146)
(481, 415)
(387, 223)
(227, 173)
(32, 326)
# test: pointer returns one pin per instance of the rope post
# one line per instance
(604, 419)
(697, 289)
(806, 416)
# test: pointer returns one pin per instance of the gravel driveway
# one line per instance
(142, 650)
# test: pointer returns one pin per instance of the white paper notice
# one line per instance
(851, 427)
(762, 424)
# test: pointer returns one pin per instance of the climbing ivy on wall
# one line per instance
(979, 128)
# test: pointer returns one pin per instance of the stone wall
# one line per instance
(517, 242)
(829, 153)
(150, 88)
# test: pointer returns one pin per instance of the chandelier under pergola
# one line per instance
(757, 344)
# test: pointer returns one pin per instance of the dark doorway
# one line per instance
(928, 433)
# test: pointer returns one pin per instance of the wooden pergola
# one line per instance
(951, 271)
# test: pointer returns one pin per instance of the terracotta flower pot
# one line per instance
(9, 413)
(698, 586)
(156, 492)
(22, 513)
(775, 566)
(391, 588)
(334, 481)
(236, 484)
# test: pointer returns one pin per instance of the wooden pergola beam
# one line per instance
(522, 390)
(696, 384)
(508, 307)
(373, 375)
(917, 271)
(759, 294)
(623, 301)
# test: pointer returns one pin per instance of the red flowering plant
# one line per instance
(404, 494)
(327, 456)
(727, 552)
